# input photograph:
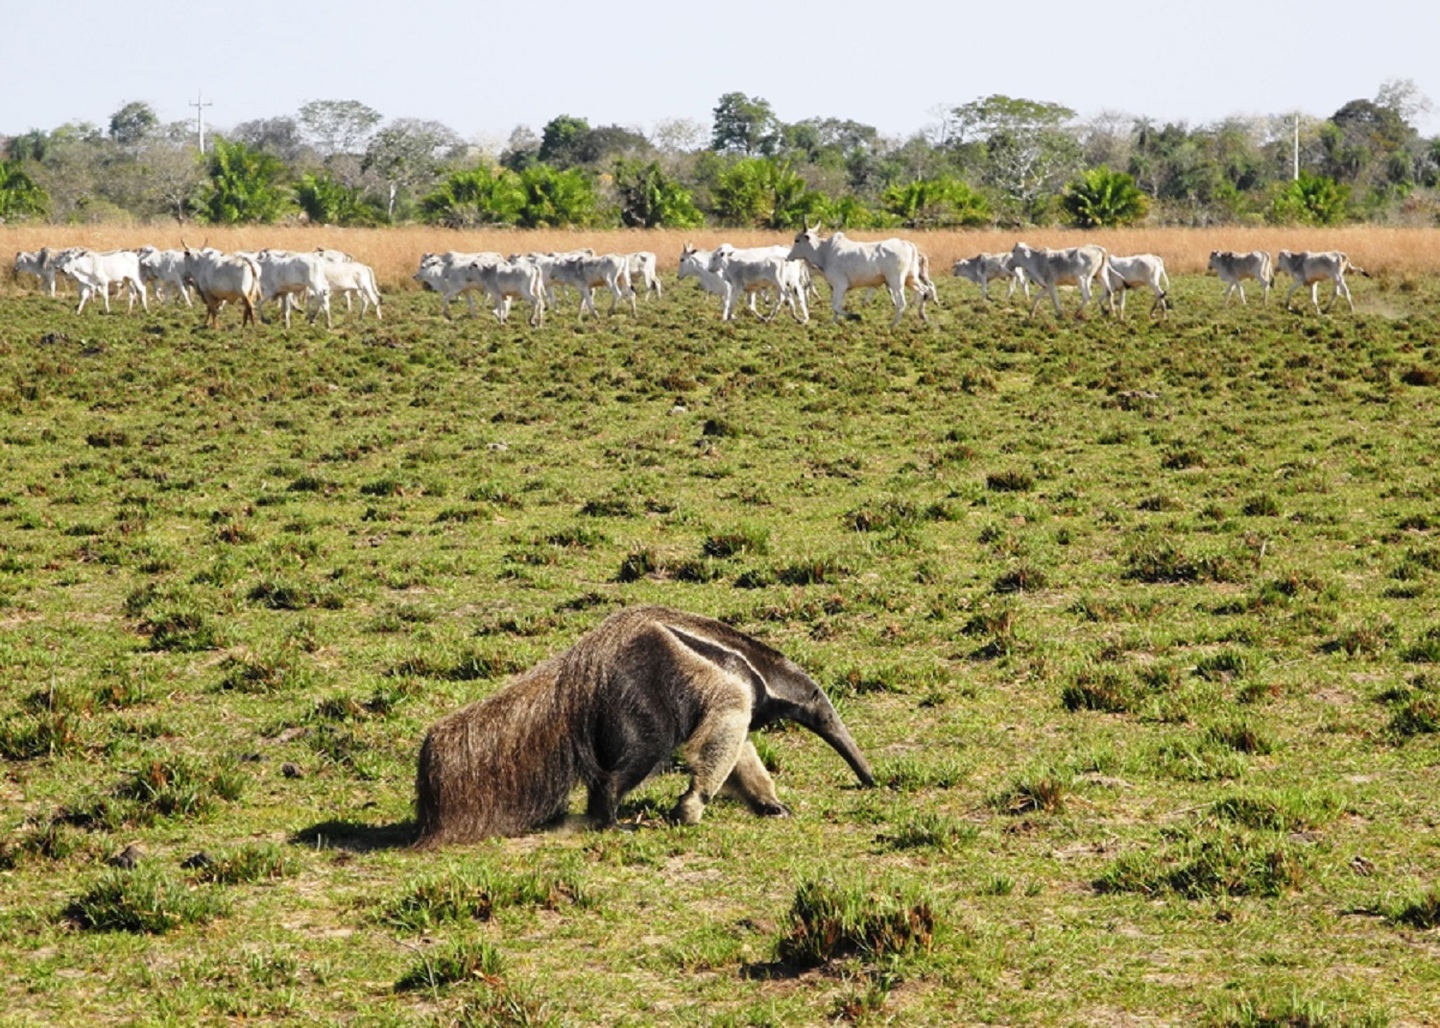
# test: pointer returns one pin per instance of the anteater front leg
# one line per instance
(752, 783)
(712, 752)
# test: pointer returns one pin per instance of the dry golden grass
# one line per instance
(394, 252)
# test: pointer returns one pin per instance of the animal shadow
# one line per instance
(356, 836)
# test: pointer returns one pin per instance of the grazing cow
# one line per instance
(644, 274)
(43, 264)
(758, 270)
(984, 268)
(163, 270)
(1233, 268)
(1051, 269)
(351, 278)
(97, 272)
(1123, 274)
(896, 264)
(449, 274)
(611, 270)
(224, 278)
(294, 277)
(1310, 268)
(509, 280)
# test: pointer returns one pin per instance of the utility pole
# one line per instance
(200, 103)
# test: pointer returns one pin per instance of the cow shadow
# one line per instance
(356, 836)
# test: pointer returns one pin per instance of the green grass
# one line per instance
(1135, 623)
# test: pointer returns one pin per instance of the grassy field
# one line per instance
(1137, 624)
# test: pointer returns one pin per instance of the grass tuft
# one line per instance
(143, 900)
(828, 921)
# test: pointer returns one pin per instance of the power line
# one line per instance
(200, 103)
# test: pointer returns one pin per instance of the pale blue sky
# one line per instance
(483, 67)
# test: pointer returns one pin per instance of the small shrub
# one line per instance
(1043, 792)
(1204, 865)
(814, 571)
(1010, 481)
(1289, 810)
(45, 734)
(910, 775)
(1159, 560)
(265, 676)
(256, 862)
(1421, 911)
(829, 921)
(929, 830)
(182, 631)
(1022, 578)
(1290, 1011)
(1425, 649)
(1107, 689)
(467, 960)
(143, 900)
(1262, 506)
(476, 895)
(747, 540)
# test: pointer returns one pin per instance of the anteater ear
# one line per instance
(730, 661)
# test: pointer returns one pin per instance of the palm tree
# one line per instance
(1101, 198)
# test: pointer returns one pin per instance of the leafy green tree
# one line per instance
(1310, 200)
(936, 203)
(327, 201)
(557, 198)
(132, 123)
(338, 126)
(1019, 146)
(1101, 198)
(560, 141)
(744, 125)
(651, 199)
(760, 192)
(246, 185)
(20, 197)
(279, 136)
(408, 154)
(479, 196)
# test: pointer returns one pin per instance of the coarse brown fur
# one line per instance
(604, 714)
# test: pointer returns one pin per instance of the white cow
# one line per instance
(984, 268)
(509, 280)
(695, 263)
(896, 264)
(164, 270)
(747, 272)
(611, 270)
(1233, 268)
(1310, 268)
(644, 274)
(43, 264)
(1051, 269)
(449, 274)
(350, 277)
(224, 278)
(1123, 274)
(287, 276)
(97, 272)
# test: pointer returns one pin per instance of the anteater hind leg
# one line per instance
(752, 783)
(712, 753)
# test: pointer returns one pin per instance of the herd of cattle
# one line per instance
(784, 274)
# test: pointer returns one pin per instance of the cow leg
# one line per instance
(1290, 294)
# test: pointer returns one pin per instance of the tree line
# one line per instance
(997, 160)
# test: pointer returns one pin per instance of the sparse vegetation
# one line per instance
(1134, 623)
